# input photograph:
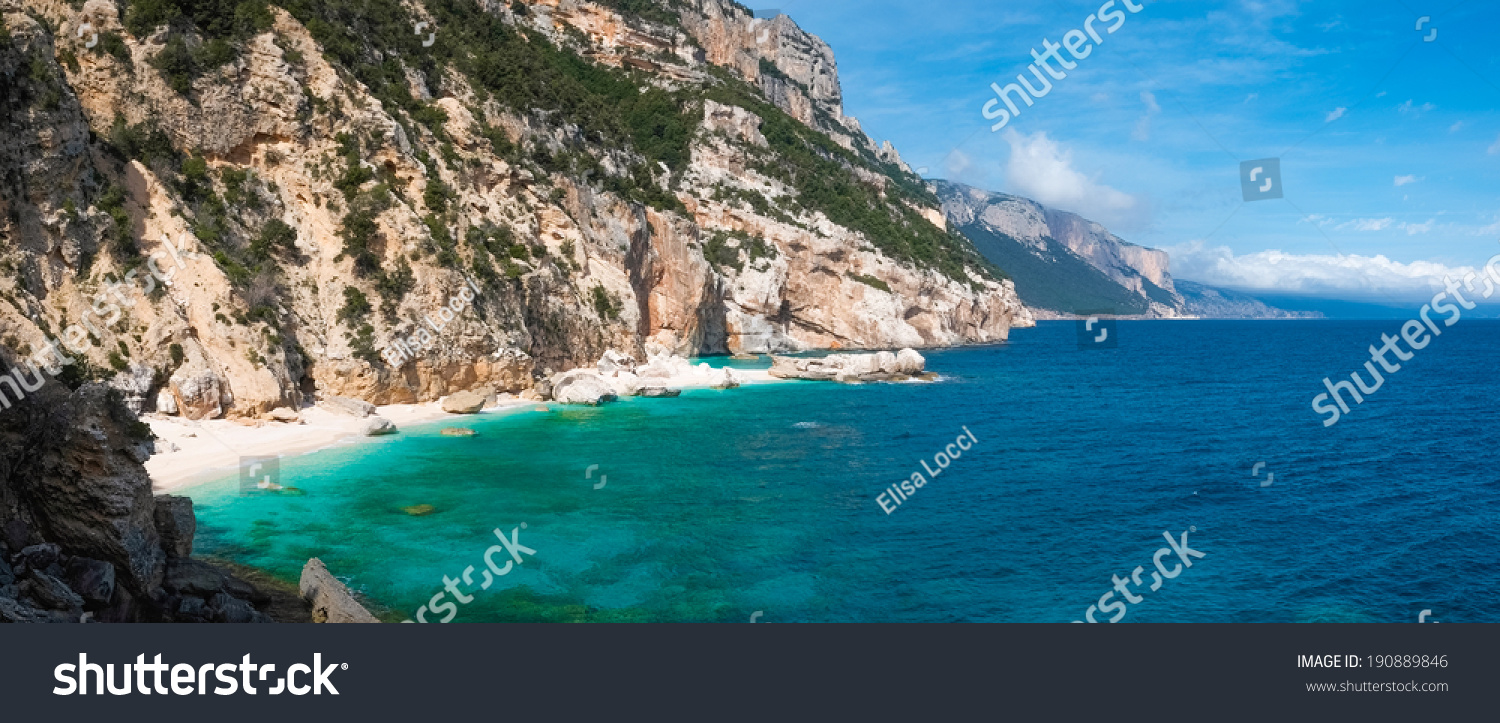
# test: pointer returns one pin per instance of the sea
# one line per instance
(763, 503)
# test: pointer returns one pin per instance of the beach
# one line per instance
(212, 449)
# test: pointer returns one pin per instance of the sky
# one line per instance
(1389, 143)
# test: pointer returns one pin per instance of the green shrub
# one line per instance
(356, 305)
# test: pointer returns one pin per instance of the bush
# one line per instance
(356, 305)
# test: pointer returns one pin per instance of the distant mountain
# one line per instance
(1065, 263)
(1215, 303)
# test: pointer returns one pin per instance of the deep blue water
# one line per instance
(721, 504)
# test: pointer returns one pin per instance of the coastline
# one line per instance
(211, 449)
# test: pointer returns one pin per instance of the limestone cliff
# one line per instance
(317, 181)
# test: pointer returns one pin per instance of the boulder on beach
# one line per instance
(876, 367)
(331, 601)
(463, 403)
(581, 386)
(614, 361)
(345, 405)
(282, 414)
(378, 426)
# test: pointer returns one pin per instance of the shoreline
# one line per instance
(208, 450)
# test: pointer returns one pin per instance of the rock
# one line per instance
(176, 525)
(186, 576)
(165, 402)
(625, 384)
(134, 384)
(15, 611)
(745, 357)
(200, 394)
(192, 610)
(491, 397)
(331, 601)
(880, 366)
(345, 405)
(419, 510)
(463, 403)
(283, 414)
(582, 387)
(50, 592)
(543, 390)
(724, 378)
(660, 392)
(908, 361)
(7, 573)
(13, 534)
(378, 426)
(93, 580)
(614, 361)
(224, 608)
(39, 557)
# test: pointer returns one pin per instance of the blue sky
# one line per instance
(1389, 145)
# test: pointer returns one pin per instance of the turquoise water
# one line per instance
(719, 504)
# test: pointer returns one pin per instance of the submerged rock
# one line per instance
(458, 432)
(660, 392)
(331, 601)
(419, 510)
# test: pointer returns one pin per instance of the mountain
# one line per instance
(322, 179)
(1215, 303)
(1066, 264)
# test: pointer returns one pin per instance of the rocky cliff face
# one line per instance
(220, 217)
(81, 536)
(1138, 281)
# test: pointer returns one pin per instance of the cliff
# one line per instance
(316, 180)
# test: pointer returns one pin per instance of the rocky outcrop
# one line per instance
(378, 426)
(345, 405)
(81, 535)
(582, 387)
(330, 599)
(463, 403)
(877, 367)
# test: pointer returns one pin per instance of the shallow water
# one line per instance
(719, 504)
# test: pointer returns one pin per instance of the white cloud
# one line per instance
(1336, 114)
(1274, 271)
(1041, 169)
(1456, 127)
(1495, 149)
(1411, 107)
(1412, 229)
(1403, 180)
(1142, 130)
(1252, 96)
(1367, 224)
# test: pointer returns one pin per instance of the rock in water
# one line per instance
(378, 426)
(458, 432)
(660, 392)
(877, 367)
(331, 601)
(463, 403)
(419, 510)
(582, 387)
